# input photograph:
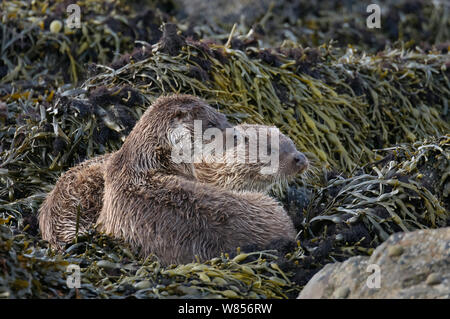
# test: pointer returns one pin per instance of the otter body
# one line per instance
(177, 219)
(77, 197)
(73, 205)
(175, 211)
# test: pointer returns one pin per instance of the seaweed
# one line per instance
(312, 23)
(405, 191)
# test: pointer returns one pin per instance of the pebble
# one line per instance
(433, 279)
(394, 251)
(342, 292)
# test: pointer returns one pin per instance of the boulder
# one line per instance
(407, 265)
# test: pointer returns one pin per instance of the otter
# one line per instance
(243, 174)
(74, 204)
(158, 207)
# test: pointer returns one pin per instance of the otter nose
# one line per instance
(301, 161)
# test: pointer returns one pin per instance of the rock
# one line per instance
(433, 279)
(410, 265)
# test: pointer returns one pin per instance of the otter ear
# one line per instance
(187, 110)
(181, 113)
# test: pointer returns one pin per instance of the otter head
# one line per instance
(164, 139)
(291, 161)
(262, 157)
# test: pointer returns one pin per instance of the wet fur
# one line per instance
(231, 174)
(76, 198)
(157, 205)
(78, 193)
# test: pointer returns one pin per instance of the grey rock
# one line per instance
(411, 265)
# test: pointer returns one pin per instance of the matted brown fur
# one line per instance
(74, 203)
(256, 214)
(158, 207)
(77, 195)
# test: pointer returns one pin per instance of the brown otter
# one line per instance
(73, 206)
(240, 174)
(156, 205)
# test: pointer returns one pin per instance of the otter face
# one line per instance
(275, 152)
(292, 162)
(262, 156)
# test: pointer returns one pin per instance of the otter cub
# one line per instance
(158, 207)
(235, 169)
(73, 206)
(75, 202)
